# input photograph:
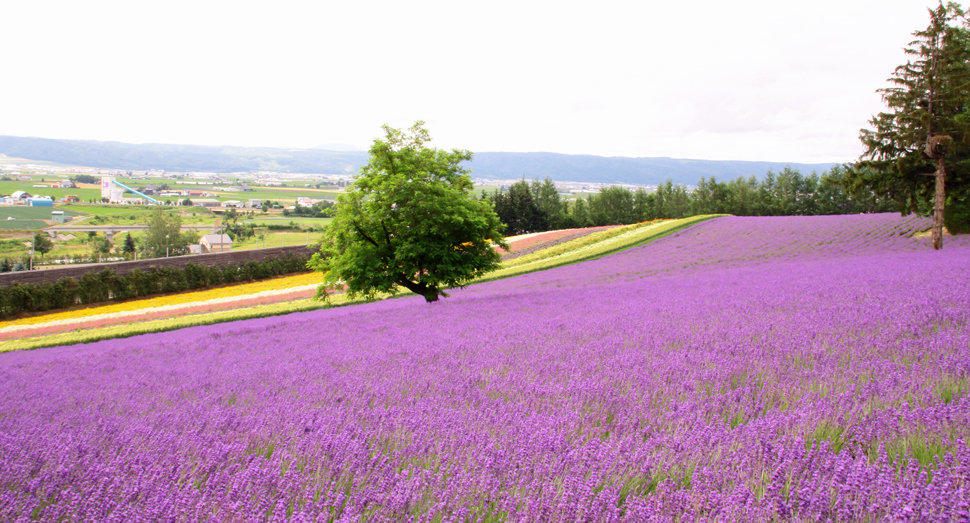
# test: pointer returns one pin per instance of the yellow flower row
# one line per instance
(284, 282)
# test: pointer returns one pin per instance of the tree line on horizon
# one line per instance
(534, 206)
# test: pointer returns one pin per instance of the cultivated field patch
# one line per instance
(31, 213)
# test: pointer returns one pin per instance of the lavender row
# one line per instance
(731, 372)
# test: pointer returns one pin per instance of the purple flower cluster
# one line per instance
(745, 369)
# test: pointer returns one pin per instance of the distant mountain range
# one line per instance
(338, 147)
(488, 165)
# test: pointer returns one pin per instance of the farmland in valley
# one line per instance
(741, 369)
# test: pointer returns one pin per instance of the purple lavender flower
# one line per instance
(743, 369)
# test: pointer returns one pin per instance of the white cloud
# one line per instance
(711, 79)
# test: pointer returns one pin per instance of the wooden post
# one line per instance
(939, 199)
(936, 146)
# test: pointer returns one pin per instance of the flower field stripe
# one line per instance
(165, 322)
(833, 232)
(742, 369)
(273, 284)
(47, 334)
(523, 241)
(594, 246)
(164, 308)
(162, 325)
(551, 240)
(867, 225)
(100, 320)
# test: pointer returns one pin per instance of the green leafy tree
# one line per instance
(101, 244)
(84, 178)
(578, 215)
(613, 206)
(408, 221)
(42, 244)
(918, 152)
(164, 235)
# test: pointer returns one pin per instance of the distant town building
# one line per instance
(216, 243)
(206, 202)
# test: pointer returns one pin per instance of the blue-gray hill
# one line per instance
(489, 165)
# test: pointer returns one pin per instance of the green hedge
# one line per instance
(98, 287)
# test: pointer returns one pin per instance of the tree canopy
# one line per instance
(129, 245)
(785, 193)
(42, 244)
(925, 134)
(408, 221)
(164, 235)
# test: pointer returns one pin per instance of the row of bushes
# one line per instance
(23, 264)
(97, 287)
(15, 264)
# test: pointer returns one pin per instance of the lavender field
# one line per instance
(743, 369)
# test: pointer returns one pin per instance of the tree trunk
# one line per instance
(430, 293)
(938, 201)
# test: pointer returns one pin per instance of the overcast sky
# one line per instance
(709, 79)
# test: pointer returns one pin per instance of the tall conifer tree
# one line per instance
(920, 148)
